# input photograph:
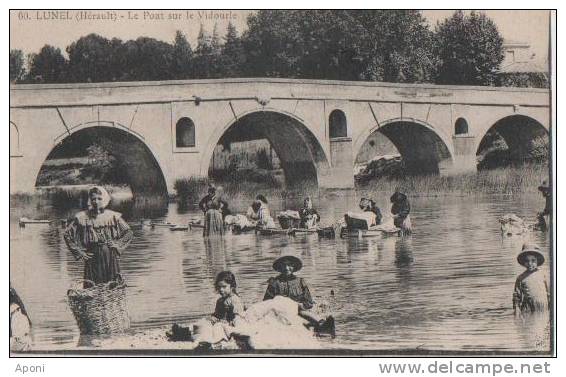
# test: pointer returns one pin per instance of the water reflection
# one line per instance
(447, 286)
(534, 329)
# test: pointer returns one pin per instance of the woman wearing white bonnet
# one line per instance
(97, 236)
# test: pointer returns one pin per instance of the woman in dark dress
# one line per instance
(213, 217)
(309, 216)
(97, 236)
(289, 285)
(400, 210)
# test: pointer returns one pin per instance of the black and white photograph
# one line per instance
(324, 182)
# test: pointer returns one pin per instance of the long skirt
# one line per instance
(104, 266)
(213, 223)
(404, 224)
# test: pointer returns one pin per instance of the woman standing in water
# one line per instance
(213, 218)
(400, 210)
(97, 236)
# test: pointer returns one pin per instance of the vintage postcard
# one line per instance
(288, 182)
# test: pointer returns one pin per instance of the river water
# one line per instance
(447, 287)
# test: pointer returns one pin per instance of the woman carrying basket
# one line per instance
(97, 237)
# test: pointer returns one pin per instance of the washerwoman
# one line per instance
(287, 284)
(97, 236)
(213, 218)
(400, 210)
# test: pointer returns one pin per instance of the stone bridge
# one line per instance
(317, 128)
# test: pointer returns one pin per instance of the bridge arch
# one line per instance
(303, 159)
(14, 140)
(521, 133)
(424, 149)
(136, 166)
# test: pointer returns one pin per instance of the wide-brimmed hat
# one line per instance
(530, 249)
(287, 259)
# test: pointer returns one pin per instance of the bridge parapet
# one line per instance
(420, 119)
(43, 95)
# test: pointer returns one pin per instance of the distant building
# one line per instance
(520, 67)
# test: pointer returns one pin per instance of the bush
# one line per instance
(189, 190)
(508, 180)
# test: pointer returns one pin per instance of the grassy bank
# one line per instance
(506, 181)
(191, 190)
(509, 180)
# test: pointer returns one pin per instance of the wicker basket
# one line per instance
(100, 308)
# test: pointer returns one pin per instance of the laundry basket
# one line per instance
(99, 308)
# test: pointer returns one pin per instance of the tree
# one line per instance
(182, 56)
(271, 43)
(204, 42)
(16, 65)
(469, 48)
(48, 66)
(393, 45)
(207, 56)
(233, 56)
(100, 161)
(385, 45)
(93, 58)
(215, 42)
(146, 59)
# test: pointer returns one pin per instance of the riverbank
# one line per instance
(505, 181)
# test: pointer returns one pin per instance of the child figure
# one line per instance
(289, 285)
(229, 307)
(309, 216)
(229, 310)
(531, 288)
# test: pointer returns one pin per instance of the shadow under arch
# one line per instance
(423, 149)
(520, 133)
(136, 164)
(302, 157)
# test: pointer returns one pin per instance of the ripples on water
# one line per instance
(446, 287)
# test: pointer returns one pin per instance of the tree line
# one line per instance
(370, 45)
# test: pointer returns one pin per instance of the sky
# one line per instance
(31, 30)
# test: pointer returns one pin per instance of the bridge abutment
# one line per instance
(340, 175)
(464, 157)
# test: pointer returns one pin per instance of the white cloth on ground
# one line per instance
(276, 324)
